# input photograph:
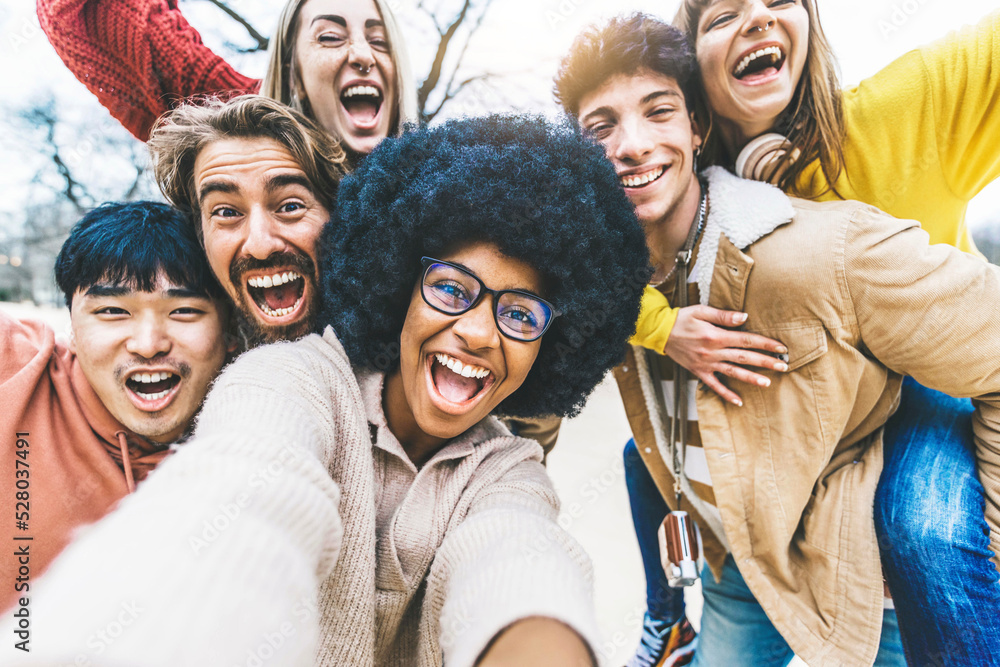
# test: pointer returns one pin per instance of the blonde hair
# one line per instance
(281, 76)
(813, 121)
(180, 135)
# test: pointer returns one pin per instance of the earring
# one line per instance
(697, 155)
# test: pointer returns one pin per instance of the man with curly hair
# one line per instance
(482, 267)
(783, 483)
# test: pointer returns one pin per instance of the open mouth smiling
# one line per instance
(635, 181)
(457, 386)
(760, 63)
(278, 295)
(362, 103)
(152, 391)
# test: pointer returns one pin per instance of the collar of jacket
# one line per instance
(740, 210)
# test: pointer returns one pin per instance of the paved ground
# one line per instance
(587, 468)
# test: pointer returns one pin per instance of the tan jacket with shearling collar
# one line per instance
(860, 299)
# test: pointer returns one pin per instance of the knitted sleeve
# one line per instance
(508, 560)
(923, 135)
(223, 548)
(963, 72)
(139, 57)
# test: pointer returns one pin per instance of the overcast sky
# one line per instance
(523, 37)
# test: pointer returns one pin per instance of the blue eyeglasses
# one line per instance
(452, 290)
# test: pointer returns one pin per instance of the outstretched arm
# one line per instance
(963, 73)
(224, 545)
(509, 583)
(139, 57)
(923, 135)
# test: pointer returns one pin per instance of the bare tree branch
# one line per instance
(133, 189)
(448, 92)
(432, 16)
(262, 41)
(43, 115)
(452, 94)
(434, 76)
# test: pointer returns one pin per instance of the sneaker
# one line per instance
(665, 645)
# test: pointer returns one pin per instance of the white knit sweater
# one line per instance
(228, 553)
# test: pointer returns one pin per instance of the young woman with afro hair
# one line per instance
(352, 493)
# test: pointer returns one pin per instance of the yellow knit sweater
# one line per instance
(923, 138)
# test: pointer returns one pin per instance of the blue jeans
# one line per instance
(932, 534)
(735, 631)
(929, 518)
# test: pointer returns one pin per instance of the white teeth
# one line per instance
(773, 51)
(153, 397)
(273, 281)
(635, 181)
(465, 370)
(150, 378)
(370, 91)
(280, 312)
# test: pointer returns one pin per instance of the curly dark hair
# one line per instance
(539, 191)
(625, 45)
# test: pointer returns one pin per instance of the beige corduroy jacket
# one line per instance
(860, 299)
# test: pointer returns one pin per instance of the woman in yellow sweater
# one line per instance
(919, 140)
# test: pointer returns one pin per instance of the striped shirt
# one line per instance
(695, 463)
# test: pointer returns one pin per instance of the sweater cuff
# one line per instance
(656, 321)
(545, 577)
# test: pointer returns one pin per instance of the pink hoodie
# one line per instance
(61, 454)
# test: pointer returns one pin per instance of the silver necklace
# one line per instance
(692, 239)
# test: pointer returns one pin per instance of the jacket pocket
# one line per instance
(805, 344)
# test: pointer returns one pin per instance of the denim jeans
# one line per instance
(929, 518)
(735, 631)
(734, 628)
(932, 534)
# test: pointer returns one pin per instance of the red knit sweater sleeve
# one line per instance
(140, 57)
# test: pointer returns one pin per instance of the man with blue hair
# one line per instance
(83, 422)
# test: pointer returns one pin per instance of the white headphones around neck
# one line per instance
(766, 158)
